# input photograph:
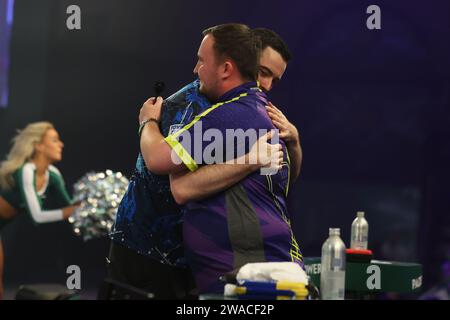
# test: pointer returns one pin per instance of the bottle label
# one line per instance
(337, 263)
(332, 285)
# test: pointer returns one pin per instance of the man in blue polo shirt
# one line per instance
(147, 237)
(248, 222)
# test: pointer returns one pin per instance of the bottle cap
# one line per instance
(360, 214)
(335, 231)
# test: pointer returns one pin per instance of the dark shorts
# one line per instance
(164, 281)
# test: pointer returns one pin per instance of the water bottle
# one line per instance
(332, 276)
(360, 232)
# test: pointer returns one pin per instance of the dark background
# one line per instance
(372, 107)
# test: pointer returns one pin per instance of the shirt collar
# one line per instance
(238, 90)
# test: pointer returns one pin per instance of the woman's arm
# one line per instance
(61, 192)
(7, 211)
(32, 201)
(2, 263)
(62, 195)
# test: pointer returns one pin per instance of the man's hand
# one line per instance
(265, 154)
(288, 132)
(156, 152)
(208, 180)
(151, 109)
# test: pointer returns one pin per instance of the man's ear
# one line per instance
(227, 69)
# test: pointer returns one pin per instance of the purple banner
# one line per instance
(6, 19)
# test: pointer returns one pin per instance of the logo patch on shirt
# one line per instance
(175, 127)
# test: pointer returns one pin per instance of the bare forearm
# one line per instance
(296, 156)
(156, 152)
(209, 180)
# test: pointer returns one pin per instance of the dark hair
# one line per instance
(271, 39)
(237, 42)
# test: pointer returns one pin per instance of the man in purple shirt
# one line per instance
(249, 221)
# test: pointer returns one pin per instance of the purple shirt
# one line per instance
(248, 222)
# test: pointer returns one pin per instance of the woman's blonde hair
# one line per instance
(22, 151)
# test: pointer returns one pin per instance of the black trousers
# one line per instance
(164, 281)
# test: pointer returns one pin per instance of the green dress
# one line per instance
(42, 205)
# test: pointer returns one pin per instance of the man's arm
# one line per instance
(295, 155)
(289, 133)
(211, 179)
(207, 180)
(156, 152)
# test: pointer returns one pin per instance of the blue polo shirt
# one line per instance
(148, 220)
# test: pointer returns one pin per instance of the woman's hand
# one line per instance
(68, 211)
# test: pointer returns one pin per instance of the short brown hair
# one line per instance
(270, 38)
(237, 42)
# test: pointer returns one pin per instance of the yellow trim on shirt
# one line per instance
(181, 152)
(178, 148)
(289, 171)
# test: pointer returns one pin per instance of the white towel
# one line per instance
(272, 271)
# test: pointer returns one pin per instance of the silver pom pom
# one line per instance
(100, 195)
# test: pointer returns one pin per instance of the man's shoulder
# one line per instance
(256, 94)
(251, 96)
(182, 106)
(186, 96)
(242, 105)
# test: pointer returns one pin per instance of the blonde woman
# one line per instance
(30, 183)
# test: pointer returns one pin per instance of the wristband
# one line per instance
(143, 123)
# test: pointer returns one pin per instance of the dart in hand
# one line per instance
(159, 88)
